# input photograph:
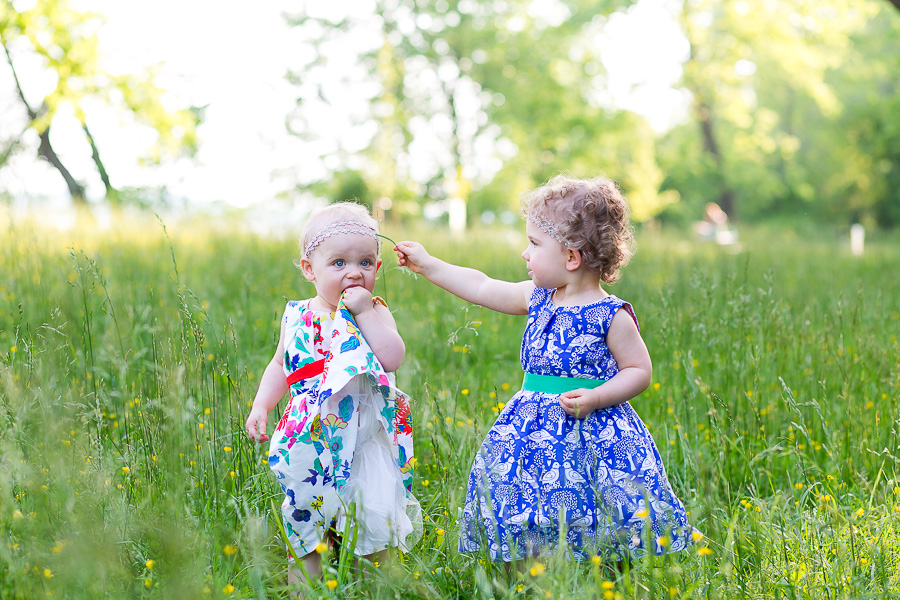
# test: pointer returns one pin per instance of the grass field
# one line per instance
(128, 358)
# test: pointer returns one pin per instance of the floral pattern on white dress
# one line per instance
(312, 449)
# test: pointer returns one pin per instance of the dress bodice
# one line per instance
(569, 341)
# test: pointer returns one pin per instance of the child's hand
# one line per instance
(578, 403)
(412, 255)
(357, 299)
(256, 425)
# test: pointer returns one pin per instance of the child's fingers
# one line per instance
(568, 398)
(261, 428)
(256, 428)
(571, 403)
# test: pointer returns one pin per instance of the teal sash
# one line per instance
(549, 384)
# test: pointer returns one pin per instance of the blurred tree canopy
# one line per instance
(794, 112)
(490, 98)
(63, 41)
(791, 105)
(415, 104)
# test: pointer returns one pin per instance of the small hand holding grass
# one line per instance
(256, 425)
(578, 403)
(412, 255)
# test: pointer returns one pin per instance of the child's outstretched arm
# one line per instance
(377, 325)
(272, 388)
(469, 284)
(635, 371)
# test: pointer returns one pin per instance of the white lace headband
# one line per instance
(548, 227)
(338, 228)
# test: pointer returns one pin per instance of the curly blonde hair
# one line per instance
(589, 215)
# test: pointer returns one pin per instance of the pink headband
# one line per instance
(338, 228)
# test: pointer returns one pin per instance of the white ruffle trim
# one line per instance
(385, 515)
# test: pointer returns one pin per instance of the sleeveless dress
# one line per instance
(539, 468)
(343, 446)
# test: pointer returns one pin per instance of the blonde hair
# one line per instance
(590, 215)
(333, 213)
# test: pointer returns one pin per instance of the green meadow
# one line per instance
(129, 357)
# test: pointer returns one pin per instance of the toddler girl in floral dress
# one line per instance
(343, 446)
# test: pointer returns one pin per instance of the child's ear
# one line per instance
(307, 269)
(573, 261)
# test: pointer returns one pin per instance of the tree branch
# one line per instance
(45, 150)
(111, 193)
(31, 113)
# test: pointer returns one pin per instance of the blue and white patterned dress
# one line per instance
(602, 476)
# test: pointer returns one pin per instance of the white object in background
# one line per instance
(456, 214)
(857, 239)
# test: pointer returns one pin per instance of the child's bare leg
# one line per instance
(380, 558)
(516, 568)
(312, 563)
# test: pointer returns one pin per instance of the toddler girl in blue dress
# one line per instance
(568, 451)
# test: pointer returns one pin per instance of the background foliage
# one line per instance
(790, 111)
(791, 105)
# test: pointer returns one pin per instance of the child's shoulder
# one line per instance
(614, 300)
(295, 307)
(297, 304)
(616, 303)
(540, 296)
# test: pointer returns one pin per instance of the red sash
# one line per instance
(306, 371)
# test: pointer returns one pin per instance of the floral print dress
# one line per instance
(343, 447)
(539, 471)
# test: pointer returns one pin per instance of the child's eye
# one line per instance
(339, 262)
(366, 263)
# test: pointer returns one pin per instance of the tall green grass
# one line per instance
(129, 357)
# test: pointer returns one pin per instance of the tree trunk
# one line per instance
(703, 108)
(726, 194)
(45, 150)
(111, 193)
(76, 190)
(458, 202)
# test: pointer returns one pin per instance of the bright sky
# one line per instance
(234, 58)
